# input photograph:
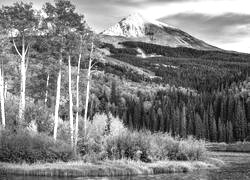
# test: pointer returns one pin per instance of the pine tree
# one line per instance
(183, 122)
(152, 118)
(176, 122)
(190, 119)
(198, 126)
(220, 131)
(137, 115)
(240, 122)
(214, 132)
(113, 96)
(212, 124)
(229, 129)
(206, 125)
(160, 126)
(248, 115)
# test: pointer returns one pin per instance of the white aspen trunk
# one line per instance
(5, 89)
(87, 92)
(58, 89)
(2, 98)
(77, 99)
(47, 89)
(71, 120)
(23, 85)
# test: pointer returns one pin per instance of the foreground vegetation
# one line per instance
(109, 149)
(106, 168)
(104, 140)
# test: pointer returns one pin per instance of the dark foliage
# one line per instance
(26, 147)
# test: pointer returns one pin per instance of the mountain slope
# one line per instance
(137, 28)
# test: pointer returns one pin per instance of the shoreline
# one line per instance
(238, 147)
(107, 168)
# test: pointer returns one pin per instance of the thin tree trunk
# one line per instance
(58, 89)
(2, 98)
(5, 89)
(87, 92)
(71, 120)
(77, 99)
(23, 84)
(47, 89)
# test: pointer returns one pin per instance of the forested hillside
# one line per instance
(213, 98)
(54, 74)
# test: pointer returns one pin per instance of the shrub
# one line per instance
(93, 143)
(162, 146)
(191, 149)
(63, 130)
(35, 113)
(130, 145)
(166, 147)
(11, 109)
(24, 146)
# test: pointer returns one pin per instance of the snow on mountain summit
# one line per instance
(134, 25)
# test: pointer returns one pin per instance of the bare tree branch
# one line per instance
(27, 61)
(16, 48)
(93, 65)
(28, 46)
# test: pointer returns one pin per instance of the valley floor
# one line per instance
(107, 168)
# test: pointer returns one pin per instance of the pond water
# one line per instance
(238, 168)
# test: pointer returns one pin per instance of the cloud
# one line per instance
(140, 2)
(146, 2)
(221, 28)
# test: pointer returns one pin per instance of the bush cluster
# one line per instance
(128, 145)
(147, 147)
(98, 144)
(24, 146)
(92, 146)
(135, 145)
(164, 146)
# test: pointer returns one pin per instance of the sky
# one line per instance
(223, 23)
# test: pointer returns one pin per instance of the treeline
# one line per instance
(185, 52)
(222, 116)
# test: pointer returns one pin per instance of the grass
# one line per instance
(105, 168)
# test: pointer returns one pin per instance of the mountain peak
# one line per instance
(135, 15)
(134, 25)
(131, 26)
